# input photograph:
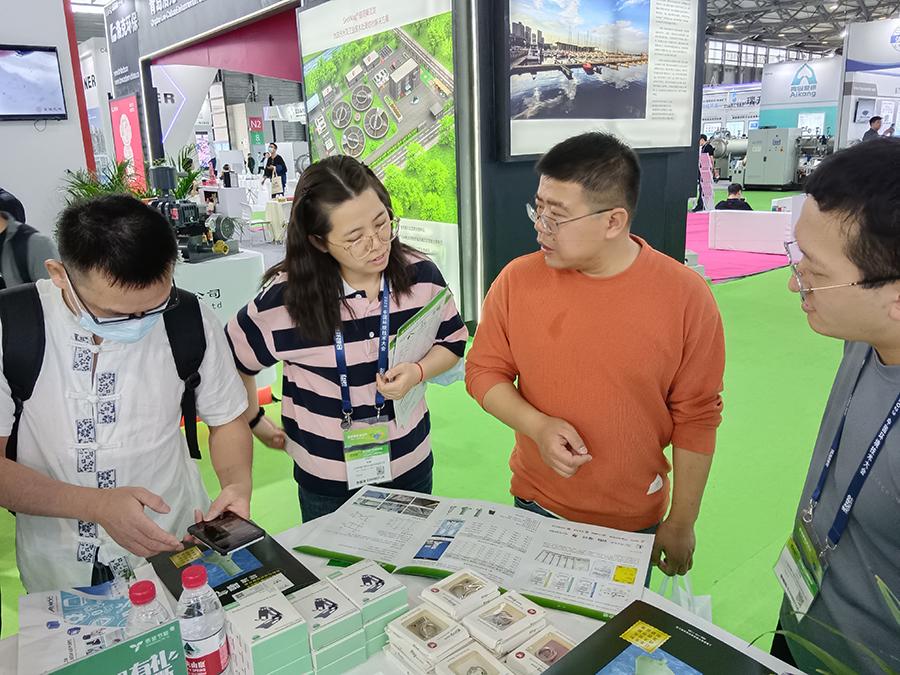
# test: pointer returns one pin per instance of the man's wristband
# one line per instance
(259, 415)
(421, 373)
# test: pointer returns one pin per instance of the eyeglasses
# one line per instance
(171, 303)
(550, 225)
(360, 248)
(794, 255)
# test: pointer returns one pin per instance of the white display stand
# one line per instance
(225, 285)
(230, 200)
(706, 182)
(578, 627)
(751, 231)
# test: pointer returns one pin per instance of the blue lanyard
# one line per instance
(341, 357)
(859, 478)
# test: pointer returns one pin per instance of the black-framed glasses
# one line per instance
(170, 303)
(551, 225)
(794, 254)
(361, 247)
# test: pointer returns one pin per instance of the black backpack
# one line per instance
(19, 243)
(22, 321)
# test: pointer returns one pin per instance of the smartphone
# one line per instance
(227, 533)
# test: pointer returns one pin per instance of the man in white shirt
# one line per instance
(99, 438)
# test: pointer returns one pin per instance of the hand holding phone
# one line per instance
(227, 533)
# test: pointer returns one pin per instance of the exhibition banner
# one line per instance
(624, 67)
(122, 24)
(799, 84)
(379, 87)
(873, 46)
(256, 131)
(126, 127)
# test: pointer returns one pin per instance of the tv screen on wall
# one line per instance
(31, 85)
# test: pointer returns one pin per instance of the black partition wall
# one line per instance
(669, 179)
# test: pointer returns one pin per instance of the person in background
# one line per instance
(275, 166)
(23, 250)
(846, 263)
(225, 176)
(735, 201)
(324, 306)
(600, 352)
(251, 163)
(706, 148)
(99, 440)
(264, 162)
(874, 128)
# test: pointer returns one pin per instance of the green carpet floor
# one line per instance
(777, 380)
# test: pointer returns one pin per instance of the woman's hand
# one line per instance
(396, 382)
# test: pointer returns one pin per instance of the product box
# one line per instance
(348, 662)
(426, 636)
(473, 659)
(329, 614)
(377, 626)
(376, 644)
(274, 630)
(401, 664)
(461, 594)
(506, 623)
(371, 588)
(303, 665)
(338, 650)
(540, 652)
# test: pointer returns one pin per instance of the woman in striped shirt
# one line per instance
(323, 305)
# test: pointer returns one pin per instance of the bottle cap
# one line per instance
(194, 576)
(142, 592)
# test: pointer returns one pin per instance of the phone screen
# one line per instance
(228, 531)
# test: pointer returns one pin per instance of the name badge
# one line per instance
(367, 453)
(800, 568)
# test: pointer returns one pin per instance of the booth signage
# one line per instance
(256, 131)
(800, 83)
(122, 25)
(126, 128)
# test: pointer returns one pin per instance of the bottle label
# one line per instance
(208, 656)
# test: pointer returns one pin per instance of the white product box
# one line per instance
(371, 588)
(329, 613)
(401, 664)
(426, 636)
(471, 659)
(272, 628)
(461, 594)
(540, 652)
(506, 623)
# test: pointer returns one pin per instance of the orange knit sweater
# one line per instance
(634, 362)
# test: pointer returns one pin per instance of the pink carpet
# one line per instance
(725, 265)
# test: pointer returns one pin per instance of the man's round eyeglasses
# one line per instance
(794, 255)
(551, 225)
(170, 303)
(360, 248)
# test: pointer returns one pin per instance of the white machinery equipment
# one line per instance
(773, 158)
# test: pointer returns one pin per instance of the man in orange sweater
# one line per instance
(600, 352)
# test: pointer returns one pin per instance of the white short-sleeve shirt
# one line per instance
(110, 425)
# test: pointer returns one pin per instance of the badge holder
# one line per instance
(367, 451)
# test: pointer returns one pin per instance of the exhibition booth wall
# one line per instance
(802, 94)
(36, 153)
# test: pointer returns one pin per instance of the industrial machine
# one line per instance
(200, 237)
(728, 155)
(773, 158)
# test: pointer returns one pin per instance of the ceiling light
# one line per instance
(78, 8)
(844, 33)
(729, 26)
(781, 35)
(833, 7)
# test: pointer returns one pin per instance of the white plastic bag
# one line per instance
(684, 597)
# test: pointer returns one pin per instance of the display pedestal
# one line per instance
(225, 285)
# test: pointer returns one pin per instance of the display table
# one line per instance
(225, 285)
(751, 231)
(230, 200)
(578, 627)
(278, 214)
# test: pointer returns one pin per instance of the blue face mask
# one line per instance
(125, 332)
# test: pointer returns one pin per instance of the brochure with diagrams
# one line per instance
(585, 569)
(646, 640)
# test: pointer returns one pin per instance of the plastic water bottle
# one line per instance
(146, 611)
(202, 621)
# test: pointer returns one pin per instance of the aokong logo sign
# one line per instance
(804, 83)
(895, 39)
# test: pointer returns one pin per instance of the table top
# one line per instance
(577, 627)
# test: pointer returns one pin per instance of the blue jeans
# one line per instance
(314, 505)
(534, 507)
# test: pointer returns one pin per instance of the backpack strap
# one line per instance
(19, 245)
(22, 321)
(184, 326)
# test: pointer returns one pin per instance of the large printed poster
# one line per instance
(625, 66)
(379, 87)
(126, 128)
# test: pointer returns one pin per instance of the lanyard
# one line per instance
(341, 357)
(859, 478)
